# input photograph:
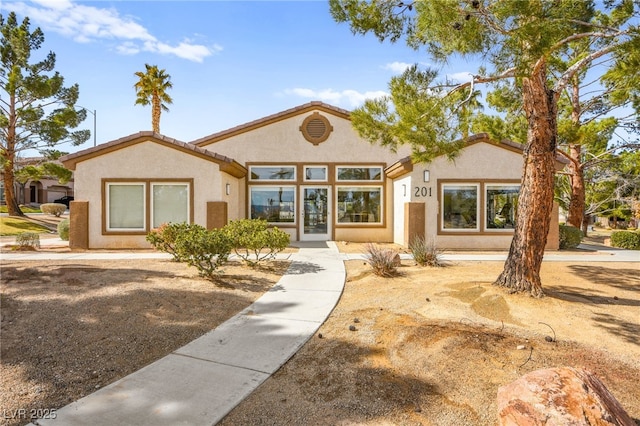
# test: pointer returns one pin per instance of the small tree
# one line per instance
(36, 110)
(205, 250)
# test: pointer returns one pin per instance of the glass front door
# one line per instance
(316, 219)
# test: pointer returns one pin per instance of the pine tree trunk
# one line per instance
(575, 215)
(522, 268)
(10, 156)
(10, 190)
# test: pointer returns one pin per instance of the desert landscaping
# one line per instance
(430, 346)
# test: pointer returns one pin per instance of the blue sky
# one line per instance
(230, 62)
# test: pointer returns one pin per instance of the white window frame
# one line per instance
(293, 188)
(487, 187)
(449, 185)
(340, 188)
(108, 207)
(346, 166)
(326, 173)
(152, 198)
(273, 166)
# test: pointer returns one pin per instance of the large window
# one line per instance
(502, 203)
(275, 204)
(126, 207)
(136, 206)
(169, 203)
(357, 204)
(462, 204)
(460, 207)
(272, 173)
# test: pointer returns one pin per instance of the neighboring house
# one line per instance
(36, 192)
(304, 170)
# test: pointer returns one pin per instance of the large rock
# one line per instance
(559, 396)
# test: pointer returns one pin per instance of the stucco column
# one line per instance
(216, 214)
(79, 225)
(414, 221)
(553, 238)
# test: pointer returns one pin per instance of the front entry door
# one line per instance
(316, 215)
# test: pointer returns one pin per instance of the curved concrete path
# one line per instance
(201, 382)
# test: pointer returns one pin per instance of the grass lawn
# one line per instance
(25, 209)
(14, 226)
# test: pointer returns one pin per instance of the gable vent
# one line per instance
(316, 128)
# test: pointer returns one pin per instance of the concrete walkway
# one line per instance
(201, 382)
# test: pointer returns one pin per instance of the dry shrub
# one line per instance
(382, 260)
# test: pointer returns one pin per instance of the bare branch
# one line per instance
(573, 69)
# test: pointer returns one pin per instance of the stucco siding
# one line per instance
(284, 142)
(145, 160)
(479, 162)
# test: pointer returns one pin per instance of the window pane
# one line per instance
(359, 204)
(170, 204)
(460, 207)
(273, 203)
(273, 173)
(315, 173)
(360, 173)
(126, 206)
(502, 202)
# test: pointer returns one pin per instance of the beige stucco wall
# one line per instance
(147, 160)
(283, 141)
(478, 162)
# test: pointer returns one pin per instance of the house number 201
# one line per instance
(422, 191)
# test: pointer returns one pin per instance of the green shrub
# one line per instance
(28, 241)
(164, 238)
(55, 209)
(626, 240)
(205, 250)
(253, 241)
(570, 237)
(383, 261)
(424, 252)
(63, 230)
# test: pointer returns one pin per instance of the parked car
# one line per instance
(64, 200)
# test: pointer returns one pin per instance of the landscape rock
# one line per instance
(559, 396)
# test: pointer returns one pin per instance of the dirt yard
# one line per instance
(71, 327)
(428, 347)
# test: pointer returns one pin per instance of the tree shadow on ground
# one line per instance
(624, 279)
(66, 336)
(573, 294)
(301, 268)
(626, 330)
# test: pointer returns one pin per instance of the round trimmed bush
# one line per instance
(626, 240)
(63, 230)
(55, 209)
(570, 237)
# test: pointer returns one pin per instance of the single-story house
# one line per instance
(304, 170)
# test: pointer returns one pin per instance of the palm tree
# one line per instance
(152, 89)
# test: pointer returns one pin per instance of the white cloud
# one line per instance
(397, 67)
(350, 98)
(86, 24)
